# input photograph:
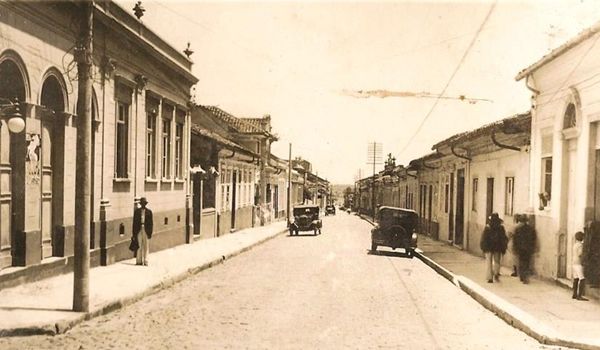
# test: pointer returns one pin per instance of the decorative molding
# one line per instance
(570, 133)
(108, 66)
(140, 83)
(594, 117)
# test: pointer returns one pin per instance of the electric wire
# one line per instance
(443, 92)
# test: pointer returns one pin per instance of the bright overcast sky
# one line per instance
(292, 60)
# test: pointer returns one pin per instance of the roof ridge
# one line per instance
(231, 119)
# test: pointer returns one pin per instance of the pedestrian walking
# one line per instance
(524, 240)
(578, 276)
(493, 243)
(142, 231)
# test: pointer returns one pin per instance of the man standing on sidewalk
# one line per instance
(142, 230)
(493, 244)
(524, 246)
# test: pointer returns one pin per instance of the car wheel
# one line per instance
(373, 246)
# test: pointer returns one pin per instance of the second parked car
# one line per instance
(330, 210)
(306, 218)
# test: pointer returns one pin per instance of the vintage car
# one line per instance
(330, 210)
(395, 228)
(306, 218)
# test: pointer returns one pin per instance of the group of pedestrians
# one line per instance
(494, 243)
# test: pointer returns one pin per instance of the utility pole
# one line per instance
(289, 189)
(83, 56)
(374, 158)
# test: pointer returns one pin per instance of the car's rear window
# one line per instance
(395, 216)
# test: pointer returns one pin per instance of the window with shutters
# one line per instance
(123, 104)
(167, 117)
(151, 112)
(178, 150)
(545, 194)
(509, 195)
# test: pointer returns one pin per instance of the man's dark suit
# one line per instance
(137, 222)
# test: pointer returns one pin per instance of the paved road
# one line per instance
(305, 292)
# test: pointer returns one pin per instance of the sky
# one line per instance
(297, 61)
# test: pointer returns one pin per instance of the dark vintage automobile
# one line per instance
(395, 228)
(306, 218)
(330, 210)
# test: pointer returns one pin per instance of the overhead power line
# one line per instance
(460, 63)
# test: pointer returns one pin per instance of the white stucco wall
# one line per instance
(573, 77)
(498, 165)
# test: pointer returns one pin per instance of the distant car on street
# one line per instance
(306, 218)
(330, 210)
(395, 228)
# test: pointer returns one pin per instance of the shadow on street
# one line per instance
(302, 235)
(389, 253)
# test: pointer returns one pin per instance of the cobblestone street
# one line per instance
(300, 292)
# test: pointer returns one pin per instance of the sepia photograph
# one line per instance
(300, 174)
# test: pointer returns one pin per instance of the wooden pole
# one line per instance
(289, 189)
(83, 56)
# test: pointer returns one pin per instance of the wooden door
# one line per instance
(460, 206)
(451, 209)
(233, 197)
(489, 198)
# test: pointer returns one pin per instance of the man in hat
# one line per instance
(493, 244)
(524, 246)
(142, 230)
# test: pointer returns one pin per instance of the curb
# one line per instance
(63, 326)
(507, 316)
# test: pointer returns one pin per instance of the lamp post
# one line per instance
(11, 110)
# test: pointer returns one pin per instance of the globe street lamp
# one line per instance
(11, 111)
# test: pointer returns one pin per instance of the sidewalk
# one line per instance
(43, 307)
(542, 309)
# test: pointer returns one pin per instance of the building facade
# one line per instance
(139, 141)
(456, 188)
(565, 176)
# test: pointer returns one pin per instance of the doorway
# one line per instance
(196, 202)
(429, 208)
(234, 197)
(460, 207)
(52, 165)
(489, 198)
(276, 200)
(451, 209)
(567, 232)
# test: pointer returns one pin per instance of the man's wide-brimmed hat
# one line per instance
(144, 200)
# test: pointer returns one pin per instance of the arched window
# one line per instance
(570, 117)
(12, 83)
(53, 96)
